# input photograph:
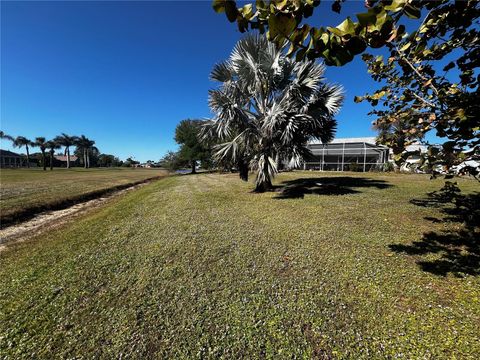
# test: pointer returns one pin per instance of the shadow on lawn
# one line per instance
(459, 247)
(340, 185)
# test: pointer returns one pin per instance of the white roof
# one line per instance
(417, 147)
(368, 140)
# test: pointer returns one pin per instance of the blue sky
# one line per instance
(125, 73)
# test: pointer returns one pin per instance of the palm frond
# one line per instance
(222, 72)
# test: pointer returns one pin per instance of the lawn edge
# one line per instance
(28, 213)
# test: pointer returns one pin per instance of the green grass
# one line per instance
(29, 190)
(199, 267)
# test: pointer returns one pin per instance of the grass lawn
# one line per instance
(199, 267)
(29, 190)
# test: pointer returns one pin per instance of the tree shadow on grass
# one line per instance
(341, 185)
(459, 247)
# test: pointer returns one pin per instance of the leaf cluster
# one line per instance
(431, 79)
(337, 45)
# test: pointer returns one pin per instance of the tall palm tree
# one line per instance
(42, 144)
(66, 141)
(91, 149)
(52, 145)
(267, 107)
(22, 141)
(86, 146)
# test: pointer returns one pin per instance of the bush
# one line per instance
(355, 167)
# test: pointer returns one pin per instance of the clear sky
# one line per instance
(125, 73)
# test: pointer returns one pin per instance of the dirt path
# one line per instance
(52, 219)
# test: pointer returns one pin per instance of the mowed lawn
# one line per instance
(24, 189)
(200, 267)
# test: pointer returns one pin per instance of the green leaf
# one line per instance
(356, 45)
(341, 57)
(358, 99)
(335, 31)
(406, 46)
(336, 6)
(280, 4)
(281, 25)
(300, 54)
(247, 11)
(368, 18)
(218, 5)
(449, 66)
(347, 27)
(231, 10)
(261, 4)
(412, 12)
(395, 6)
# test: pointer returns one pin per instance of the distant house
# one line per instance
(61, 160)
(11, 159)
(346, 154)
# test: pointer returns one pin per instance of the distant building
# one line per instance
(344, 154)
(61, 160)
(9, 159)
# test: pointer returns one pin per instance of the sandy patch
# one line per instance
(52, 219)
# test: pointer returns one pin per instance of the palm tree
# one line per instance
(21, 141)
(42, 144)
(267, 107)
(86, 146)
(91, 149)
(66, 141)
(52, 146)
(5, 136)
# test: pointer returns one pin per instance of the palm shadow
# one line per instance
(341, 185)
(458, 247)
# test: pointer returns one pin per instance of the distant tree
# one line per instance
(92, 158)
(107, 160)
(42, 144)
(268, 107)
(22, 141)
(51, 145)
(130, 162)
(85, 147)
(192, 149)
(171, 161)
(67, 141)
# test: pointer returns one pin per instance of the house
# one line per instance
(343, 154)
(61, 160)
(11, 159)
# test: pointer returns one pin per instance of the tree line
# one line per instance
(85, 149)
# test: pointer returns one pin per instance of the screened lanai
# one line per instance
(354, 154)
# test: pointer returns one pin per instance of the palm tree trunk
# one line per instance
(44, 160)
(51, 159)
(243, 170)
(264, 185)
(88, 159)
(85, 158)
(28, 156)
(68, 157)
(194, 163)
